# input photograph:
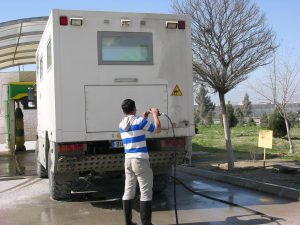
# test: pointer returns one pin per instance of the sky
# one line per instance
(282, 15)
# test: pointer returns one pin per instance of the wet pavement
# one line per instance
(24, 200)
(20, 163)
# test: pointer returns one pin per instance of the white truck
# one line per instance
(87, 64)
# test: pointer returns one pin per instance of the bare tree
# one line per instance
(280, 89)
(229, 40)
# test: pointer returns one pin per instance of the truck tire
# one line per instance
(40, 169)
(160, 182)
(58, 191)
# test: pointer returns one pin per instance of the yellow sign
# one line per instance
(265, 138)
(176, 91)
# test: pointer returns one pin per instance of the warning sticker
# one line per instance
(176, 91)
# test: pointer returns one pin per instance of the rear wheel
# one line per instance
(40, 169)
(58, 190)
(160, 182)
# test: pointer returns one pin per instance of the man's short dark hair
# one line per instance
(128, 106)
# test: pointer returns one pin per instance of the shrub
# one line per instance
(239, 115)
(196, 115)
(264, 120)
(277, 124)
(251, 122)
(292, 118)
(232, 120)
(209, 118)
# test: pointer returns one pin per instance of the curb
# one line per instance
(281, 191)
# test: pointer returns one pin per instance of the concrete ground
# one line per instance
(22, 163)
(24, 200)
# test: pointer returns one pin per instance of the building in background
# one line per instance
(258, 110)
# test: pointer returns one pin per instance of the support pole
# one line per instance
(12, 135)
(7, 142)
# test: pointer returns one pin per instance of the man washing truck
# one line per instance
(137, 165)
(87, 63)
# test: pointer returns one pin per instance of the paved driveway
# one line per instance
(25, 201)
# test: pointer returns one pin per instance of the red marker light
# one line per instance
(172, 143)
(181, 24)
(77, 147)
(63, 20)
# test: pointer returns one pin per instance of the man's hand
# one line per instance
(145, 115)
(154, 112)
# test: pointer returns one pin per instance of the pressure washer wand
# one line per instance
(159, 113)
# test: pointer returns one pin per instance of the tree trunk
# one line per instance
(291, 151)
(230, 159)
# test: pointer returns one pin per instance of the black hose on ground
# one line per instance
(223, 201)
(175, 179)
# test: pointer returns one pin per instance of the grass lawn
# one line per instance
(244, 141)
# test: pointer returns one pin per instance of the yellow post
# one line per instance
(265, 139)
(264, 157)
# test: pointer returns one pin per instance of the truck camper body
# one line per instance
(87, 64)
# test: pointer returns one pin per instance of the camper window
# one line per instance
(37, 68)
(41, 69)
(125, 48)
(49, 55)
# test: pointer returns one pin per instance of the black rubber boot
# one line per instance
(128, 212)
(146, 212)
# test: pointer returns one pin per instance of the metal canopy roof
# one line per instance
(19, 40)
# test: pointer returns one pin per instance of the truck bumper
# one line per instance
(113, 162)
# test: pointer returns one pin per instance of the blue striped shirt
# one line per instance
(133, 130)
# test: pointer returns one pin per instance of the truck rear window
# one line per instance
(125, 48)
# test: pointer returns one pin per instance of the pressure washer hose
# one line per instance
(174, 170)
(175, 179)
